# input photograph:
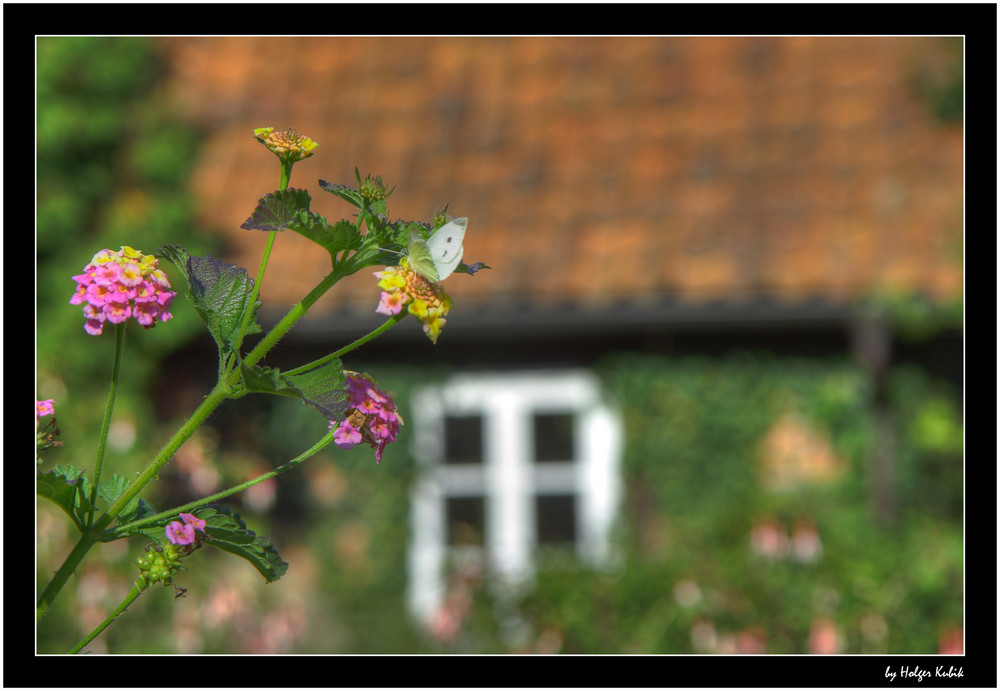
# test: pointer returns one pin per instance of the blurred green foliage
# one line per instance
(690, 580)
(914, 317)
(102, 183)
(939, 79)
(113, 159)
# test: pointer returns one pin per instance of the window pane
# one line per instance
(553, 437)
(463, 439)
(556, 519)
(465, 520)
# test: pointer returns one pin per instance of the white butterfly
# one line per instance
(437, 257)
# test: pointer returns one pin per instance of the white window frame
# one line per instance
(507, 479)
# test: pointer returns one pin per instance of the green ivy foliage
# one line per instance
(693, 495)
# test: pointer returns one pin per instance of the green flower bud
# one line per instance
(373, 190)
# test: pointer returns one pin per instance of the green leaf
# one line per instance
(135, 511)
(261, 379)
(220, 292)
(110, 490)
(324, 388)
(225, 530)
(276, 211)
(229, 533)
(289, 210)
(369, 211)
(334, 239)
(351, 195)
(380, 244)
(69, 488)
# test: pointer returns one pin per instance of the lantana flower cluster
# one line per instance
(45, 434)
(371, 418)
(402, 286)
(43, 408)
(288, 145)
(184, 533)
(117, 285)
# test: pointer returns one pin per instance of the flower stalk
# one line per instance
(108, 409)
(123, 285)
(129, 599)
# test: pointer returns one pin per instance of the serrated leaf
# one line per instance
(349, 194)
(220, 293)
(261, 379)
(276, 211)
(229, 533)
(334, 239)
(323, 388)
(68, 487)
(377, 207)
(110, 490)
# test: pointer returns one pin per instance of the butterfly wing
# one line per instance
(419, 257)
(445, 246)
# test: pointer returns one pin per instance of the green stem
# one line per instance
(124, 530)
(129, 599)
(286, 174)
(211, 402)
(201, 413)
(248, 316)
(294, 314)
(83, 545)
(91, 536)
(108, 409)
(389, 323)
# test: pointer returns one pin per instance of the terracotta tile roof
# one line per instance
(596, 169)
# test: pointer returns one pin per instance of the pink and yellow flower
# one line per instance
(428, 302)
(117, 285)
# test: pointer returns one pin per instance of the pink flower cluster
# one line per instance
(372, 417)
(183, 533)
(119, 285)
(43, 408)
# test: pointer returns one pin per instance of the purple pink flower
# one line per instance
(426, 301)
(184, 533)
(43, 408)
(371, 418)
(117, 285)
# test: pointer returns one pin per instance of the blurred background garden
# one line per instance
(707, 399)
